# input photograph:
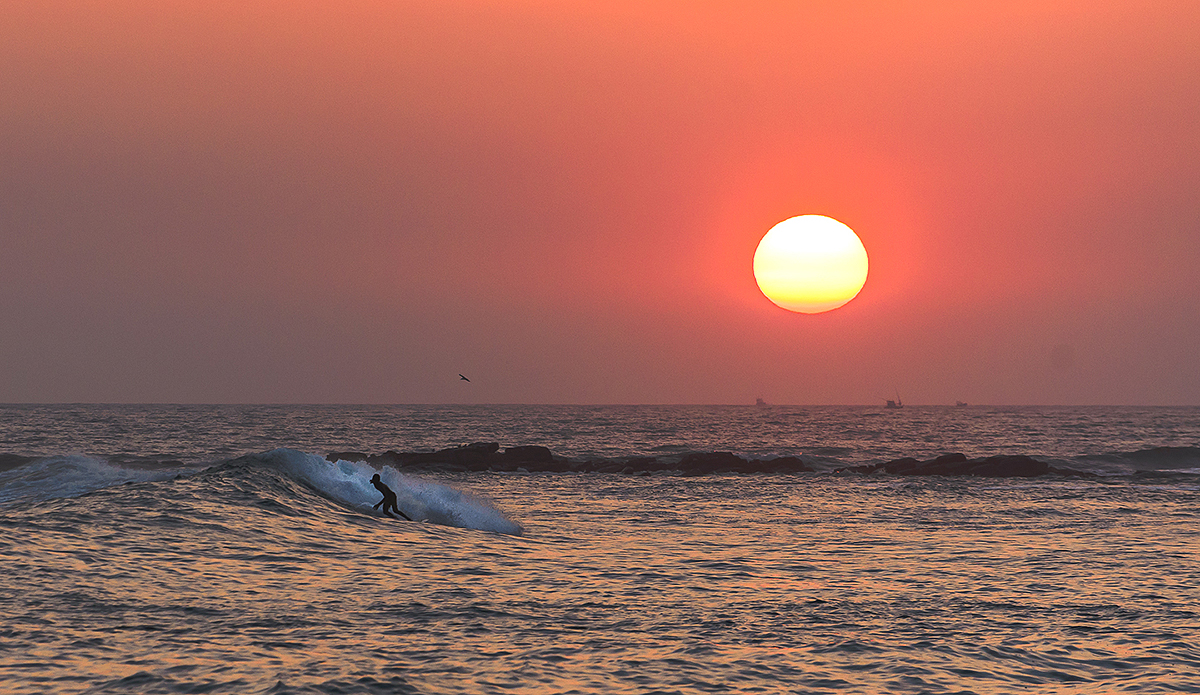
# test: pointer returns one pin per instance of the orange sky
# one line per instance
(353, 202)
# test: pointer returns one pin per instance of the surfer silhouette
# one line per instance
(389, 498)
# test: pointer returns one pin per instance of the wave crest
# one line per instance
(349, 483)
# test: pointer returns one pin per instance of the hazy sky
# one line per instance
(354, 201)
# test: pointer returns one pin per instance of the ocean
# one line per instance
(599, 549)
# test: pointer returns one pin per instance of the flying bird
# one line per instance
(460, 376)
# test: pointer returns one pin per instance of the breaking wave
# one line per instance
(282, 479)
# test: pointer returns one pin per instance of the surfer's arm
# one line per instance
(378, 503)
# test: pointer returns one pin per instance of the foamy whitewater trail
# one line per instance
(349, 482)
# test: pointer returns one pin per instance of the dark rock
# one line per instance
(335, 456)
(861, 470)
(946, 464)
(647, 464)
(949, 459)
(900, 466)
(470, 457)
(554, 465)
(607, 466)
(469, 453)
(959, 464)
(703, 464)
(483, 456)
(1009, 467)
(528, 454)
(783, 465)
(635, 464)
(395, 459)
(1072, 473)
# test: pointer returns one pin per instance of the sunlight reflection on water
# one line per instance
(622, 585)
(274, 579)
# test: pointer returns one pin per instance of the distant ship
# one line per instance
(894, 404)
(960, 404)
(760, 403)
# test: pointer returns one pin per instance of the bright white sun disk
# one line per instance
(810, 264)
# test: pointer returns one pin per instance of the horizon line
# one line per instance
(600, 405)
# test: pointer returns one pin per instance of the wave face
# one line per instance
(349, 482)
(274, 480)
(1185, 459)
(1165, 460)
(69, 476)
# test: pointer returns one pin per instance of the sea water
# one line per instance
(215, 549)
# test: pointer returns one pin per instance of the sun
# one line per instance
(810, 264)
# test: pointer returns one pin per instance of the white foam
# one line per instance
(69, 476)
(422, 500)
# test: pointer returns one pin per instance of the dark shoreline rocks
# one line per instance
(1010, 466)
(488, 456)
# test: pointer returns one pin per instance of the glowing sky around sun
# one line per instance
(354, 202)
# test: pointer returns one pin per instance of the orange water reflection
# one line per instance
(621, 585)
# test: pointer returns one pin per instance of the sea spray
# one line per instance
(345, 482)
(349, 482)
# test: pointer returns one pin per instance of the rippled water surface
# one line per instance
(619, 585)
(270, 574)
(847, 434)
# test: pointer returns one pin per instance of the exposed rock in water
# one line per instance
(785, 465)
(487, 456)
(716, 461)
(959, 464)
(484, 456)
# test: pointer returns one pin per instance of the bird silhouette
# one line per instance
(460, 376)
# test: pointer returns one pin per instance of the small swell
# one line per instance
(53, 477)
(1164, 460)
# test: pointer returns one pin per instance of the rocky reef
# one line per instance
(958, 464)
(488, 456)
